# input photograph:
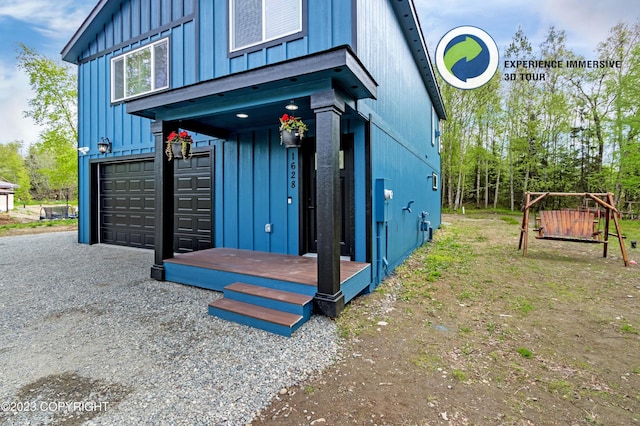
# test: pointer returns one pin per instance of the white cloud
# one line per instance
(14, 95)
(57, 21)
(500, 18)
(587, 22)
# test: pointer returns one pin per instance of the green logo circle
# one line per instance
(467, 57)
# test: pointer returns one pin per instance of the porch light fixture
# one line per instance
(242, 115)
(104, 146)
(291, 106)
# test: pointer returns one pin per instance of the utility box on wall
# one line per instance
(384, 195)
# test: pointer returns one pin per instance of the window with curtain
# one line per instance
(253, 22)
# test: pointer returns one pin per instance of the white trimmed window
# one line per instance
(433, 126)
(253, 22)
(434, 181)
(140, 71)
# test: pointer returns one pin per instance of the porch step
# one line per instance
(285, 301)
(276, 311)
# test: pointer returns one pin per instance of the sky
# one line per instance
(47, 28)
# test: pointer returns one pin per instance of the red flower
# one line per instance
(182, 137)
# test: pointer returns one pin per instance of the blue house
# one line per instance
(282, 231)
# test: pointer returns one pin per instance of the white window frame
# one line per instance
(434, 181)
(128, 54)
(232, 49)
(433, 126)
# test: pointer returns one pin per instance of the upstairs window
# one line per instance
(253, 22)
(140, 71)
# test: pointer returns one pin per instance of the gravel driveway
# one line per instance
(88, 338)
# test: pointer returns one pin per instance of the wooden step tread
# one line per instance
(270, 293)
(257, 312)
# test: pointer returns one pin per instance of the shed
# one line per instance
(7, 194)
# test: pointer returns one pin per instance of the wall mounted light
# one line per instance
(104, 146)
(242, 115)
(291, 106)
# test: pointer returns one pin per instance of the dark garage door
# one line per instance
(127, 210)
(127, 204)
(193, 218)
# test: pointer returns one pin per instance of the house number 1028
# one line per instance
(292, 169)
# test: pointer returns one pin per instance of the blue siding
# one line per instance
(261, 198)
(246, 181)
(329, 25)
(97, 118)
(251, 189)
(137, 18)
(401, 133)
(279, 210)
(178, 62)
(228, 223)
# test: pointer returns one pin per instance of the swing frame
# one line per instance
(603, 199)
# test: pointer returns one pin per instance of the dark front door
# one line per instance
(309, 231)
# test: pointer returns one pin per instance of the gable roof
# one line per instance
(89, 28)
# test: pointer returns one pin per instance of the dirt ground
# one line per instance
(470, 332)
(30, 214)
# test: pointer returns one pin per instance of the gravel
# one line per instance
(88, 338)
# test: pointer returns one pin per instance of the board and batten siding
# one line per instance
(252, 189)
(198, 52)
(403, 102)
(134, 24)
(135, 20)
(402, 129)
(328, 24)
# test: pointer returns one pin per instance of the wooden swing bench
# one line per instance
(568, 225)
(572, 225)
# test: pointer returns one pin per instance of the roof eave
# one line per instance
(410, 24)
(86, 32)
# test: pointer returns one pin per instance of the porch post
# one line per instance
(328, 107)
(163, 176)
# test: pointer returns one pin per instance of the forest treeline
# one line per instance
(565, 124)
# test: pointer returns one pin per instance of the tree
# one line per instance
(555, 114)
(627, 129)
(13, 169)
(37, 163)
(55, 108)
(523, 121)
(574, 127)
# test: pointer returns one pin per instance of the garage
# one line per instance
(127, 204)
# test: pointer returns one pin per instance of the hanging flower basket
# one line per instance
(290, 138)
(291, 131)
(179, 145)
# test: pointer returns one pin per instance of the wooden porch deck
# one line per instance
(281, 267)
(270, 291)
